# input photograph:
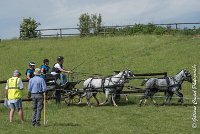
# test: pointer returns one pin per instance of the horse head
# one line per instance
(187, 76)
(128, 74)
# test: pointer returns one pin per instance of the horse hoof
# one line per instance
(97, 105)
(91, 106)
(155, 104)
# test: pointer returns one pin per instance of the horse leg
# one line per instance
(113, 100)
(88, 96)
(81, 97)
(154, 101)
(179, 94)
(144, 97)
(88, 102)
(167, 95)
(145, 101)
(126, 96)
(141, 100)
(107, 97)
(170, 98)
(95, 97)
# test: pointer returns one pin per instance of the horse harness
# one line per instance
(176, 84)
(114, 84)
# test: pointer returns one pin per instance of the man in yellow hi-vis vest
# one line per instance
(13, 88)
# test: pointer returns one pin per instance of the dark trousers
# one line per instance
(58, 96)
(37, 102)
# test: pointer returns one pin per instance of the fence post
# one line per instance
(113, 30)
(104, 30)
(176, 26)
(60, 33)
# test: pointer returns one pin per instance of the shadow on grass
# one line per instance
(169, 105)
(123, 103)
(177, 104)
(132, 103)
(62, 124)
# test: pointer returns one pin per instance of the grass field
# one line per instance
(103, 55)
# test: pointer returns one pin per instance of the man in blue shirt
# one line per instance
(36, 88)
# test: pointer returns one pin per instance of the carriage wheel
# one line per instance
(76, 98)
(67, 99)
(50, 95)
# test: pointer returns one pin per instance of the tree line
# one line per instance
(91, 24)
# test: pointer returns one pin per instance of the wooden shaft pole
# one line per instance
(44, 109)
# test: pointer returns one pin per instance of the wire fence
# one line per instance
(107, 30)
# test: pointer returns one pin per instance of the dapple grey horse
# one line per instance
(109, 85)
(170, 85)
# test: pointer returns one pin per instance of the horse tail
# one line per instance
(144, 81)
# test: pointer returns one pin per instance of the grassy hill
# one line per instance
(103, 55)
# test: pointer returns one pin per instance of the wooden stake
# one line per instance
(45, 110)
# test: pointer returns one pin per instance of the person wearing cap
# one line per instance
(57, 71)
(36, 88)
(30, 71)
(14, 88)
(45, 69)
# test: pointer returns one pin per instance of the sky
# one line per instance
(65, 13)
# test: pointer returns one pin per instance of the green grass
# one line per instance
(106, 119)
(103, 55)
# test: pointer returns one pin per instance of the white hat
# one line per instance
(37, 71)
(16, 72)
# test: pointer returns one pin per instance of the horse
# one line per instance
(109, 85)
(170, 85)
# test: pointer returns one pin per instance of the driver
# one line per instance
(57, 71)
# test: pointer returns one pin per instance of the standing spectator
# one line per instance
(45, 69)
(30, 71)
(36, 88)
(13, 88)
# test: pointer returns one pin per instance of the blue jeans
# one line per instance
(63, 79)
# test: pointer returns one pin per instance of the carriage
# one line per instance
(67, 93)
(70, 94)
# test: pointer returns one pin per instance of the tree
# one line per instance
(96, 23)
(28, 27)
(90, 24)
(84, 24)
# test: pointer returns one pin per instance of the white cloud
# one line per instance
(65, 13)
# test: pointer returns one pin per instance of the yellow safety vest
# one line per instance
(14, 91)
